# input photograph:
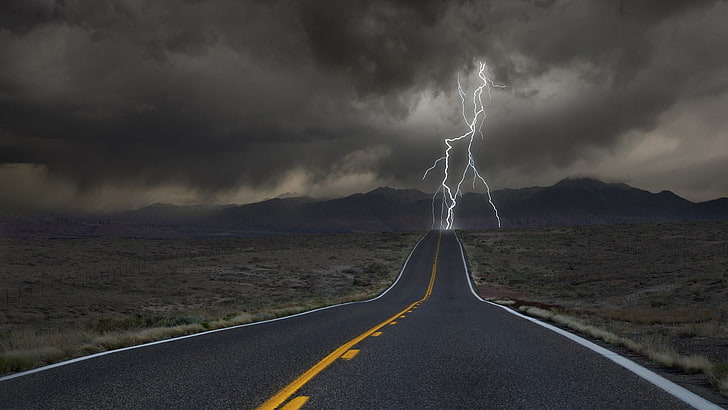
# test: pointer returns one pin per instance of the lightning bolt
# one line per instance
(451, 192)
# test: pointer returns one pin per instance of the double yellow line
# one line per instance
(283, 395)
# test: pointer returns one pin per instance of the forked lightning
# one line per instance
(450, 193)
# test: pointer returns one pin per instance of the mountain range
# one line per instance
(568, 202)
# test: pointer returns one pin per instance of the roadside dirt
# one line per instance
(662, 285)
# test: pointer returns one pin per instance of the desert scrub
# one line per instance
(663, 315)
(719, 377)
(68, 297)
(22, 359)
(640, 282)
(654, 350)
(144, 320)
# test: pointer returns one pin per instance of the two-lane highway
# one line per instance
(454, 351)
(426, 343)
(235, 368)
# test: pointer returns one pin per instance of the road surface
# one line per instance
(426, 343)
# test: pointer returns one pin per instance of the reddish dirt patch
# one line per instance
(545, 306)
(489, 292)
(496, 292)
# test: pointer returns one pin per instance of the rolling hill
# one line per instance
(568, 202)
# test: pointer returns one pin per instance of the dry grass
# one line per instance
(657, 289)
(654, 350)
(65, 298)
(719, 377)
(665, 315)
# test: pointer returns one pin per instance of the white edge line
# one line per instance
(95, 355)
(676, 390)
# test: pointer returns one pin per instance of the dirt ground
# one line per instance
(61, 294)
(665, 285)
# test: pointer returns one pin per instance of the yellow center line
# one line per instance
(289, 390)
(296, 403)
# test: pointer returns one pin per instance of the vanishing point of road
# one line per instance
(426, 343)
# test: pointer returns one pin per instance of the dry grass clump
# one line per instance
(581, 327)
(18, 360)
(719, 377)
(662, 288)
(64, 298)
(655, 350)
(651, 316)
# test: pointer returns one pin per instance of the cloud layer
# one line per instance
(226, 100)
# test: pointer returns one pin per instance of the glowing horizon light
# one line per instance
(450, 194)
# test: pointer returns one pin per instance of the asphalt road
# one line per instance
(449, 350)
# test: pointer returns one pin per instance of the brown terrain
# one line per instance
(658, 289)
(68, 297)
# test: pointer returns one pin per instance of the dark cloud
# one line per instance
(382, 46)
(215, 95)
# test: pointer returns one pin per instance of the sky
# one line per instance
(108, 105)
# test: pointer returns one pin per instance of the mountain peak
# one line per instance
(383, 190)
(395, 194)
(589, 184)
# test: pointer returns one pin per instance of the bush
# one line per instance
(11, 364)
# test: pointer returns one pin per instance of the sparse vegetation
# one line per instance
(65, 298)
(657, 289)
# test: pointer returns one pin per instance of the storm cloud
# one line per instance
(235, 100)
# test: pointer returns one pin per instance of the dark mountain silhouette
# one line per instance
(384, 209)
(586, 201)
(715, 209)
(167, 214)
(568, 202)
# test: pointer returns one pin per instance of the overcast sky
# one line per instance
(109, 105)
